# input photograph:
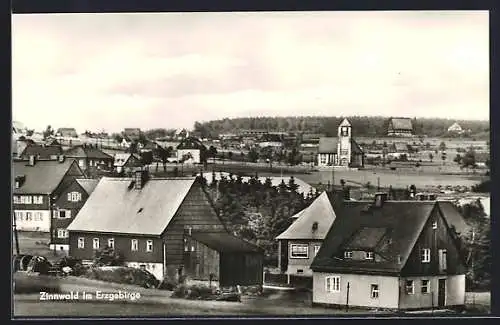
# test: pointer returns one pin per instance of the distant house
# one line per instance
(19, 145)
(36, 186)
(455, 128)
(299, 243)
(41, 152)
(181, 134)
(391, 255)
(66, 207)
(131, 134)
(126, 162)
(400, 126)
(125, 143)
(90, 157)
(191, 151)
(18, 129)
(66, 133)
(340, 151)
(168, 226)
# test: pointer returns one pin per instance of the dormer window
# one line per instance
(368, 255)
(347, 254)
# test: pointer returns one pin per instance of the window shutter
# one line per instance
(68, 213)
(69, 196)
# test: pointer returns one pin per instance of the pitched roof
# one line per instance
(224, 242)
(42, 178)
(122, 158)
(319, 211)
(88, 184)
(453, 217)
(327, 145)
(401, 123)
(400, 222)
(40, 151)
(191, 143)
(84, 151)
(113, 207)
(355, 148)
(67, 132)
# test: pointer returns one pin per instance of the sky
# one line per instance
(168, 70)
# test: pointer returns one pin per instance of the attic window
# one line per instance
(434, 225)
(140, 210)
(315, 226)
(368, 255)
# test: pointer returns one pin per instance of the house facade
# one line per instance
(401, 126)
(90, 158)
(169, 226)
(66, 207)
(340, 151)
(191, 151)
(399, 255)
(36, 185)
(126, 162)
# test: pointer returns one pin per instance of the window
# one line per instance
(434, 225)
(425, 286)
(111, 243)
(135, 245)
(95, 243)
(347, 254)
(368, 255)
(19, 215)
(374, 291)
(442, 260)
(332, 284)
(316, 249)
(38, 216)
(55, 214)
(410, 288)
(38, 199)
(74, 196)
(323, 159)
(28, 199)
(149, 246)
(62, 214)
(81, 242)
(62, 233)
(16, 199)
(344, 131)
(426, 255)
(29, 216)
(300, 271)
(299, 251)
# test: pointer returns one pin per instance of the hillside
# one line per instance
(361, 125)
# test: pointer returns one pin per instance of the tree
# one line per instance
(29, 133)
(469, 159)
(212, 152)
(133, 147)
(431, 156)
(146, 157)
(427, 146)
(230, 155)
(48, 132)
(458, 159)
(442, 146)
(117, 137)
(253, 155)
(107, 256)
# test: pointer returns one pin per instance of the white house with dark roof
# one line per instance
(169, 226)
(190, 151)
(342, 150)
(455, 128)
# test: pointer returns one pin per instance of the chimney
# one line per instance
(141, 177)
(380, 198)
(61, 158)
(32, 160)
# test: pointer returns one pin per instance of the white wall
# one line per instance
(455, 292)
(40, 223)
(359, 290)
(195, 153)
(154, 268)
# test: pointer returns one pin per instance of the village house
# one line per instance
(126, 162)
(271, 140)
(19, 144)
(36, 186)
(66, 206)
(191, 151)
(398, 255)
(41, 152)
(455, 128)
(66, 133)
(90, 157)
(340, 151)
(168, 226)
(400, 126)
(299, 243)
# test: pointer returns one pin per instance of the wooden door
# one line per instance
(442, 292)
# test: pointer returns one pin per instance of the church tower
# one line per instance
(344, 143)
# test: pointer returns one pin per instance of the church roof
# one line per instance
(329, 145)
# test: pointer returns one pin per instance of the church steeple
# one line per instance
(344, 143)
(344, 129)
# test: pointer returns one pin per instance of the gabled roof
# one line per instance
(390, 231)
(319, 211)
(191, 143)
(327, 145)
(40, 151)
(88, 184)
(345, 122)
(43, 177)
(401, 123)
(122, 158)
(84, 151)
(355, 148)
(115, 207)
(224, 242)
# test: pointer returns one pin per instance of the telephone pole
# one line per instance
(16, 238)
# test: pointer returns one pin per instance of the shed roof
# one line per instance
(116, 207)
(319, 211)
(84, 151)
(43, 177)
(40, 151)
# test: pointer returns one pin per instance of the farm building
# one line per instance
(167, 225)
(126, 162)
(340, 151)
(400, 126)
(399, 255)
(36, 186)
(41, 152)
(67, 133)
(90, 157)
(191, 151)
(299, 243)
(66, 206)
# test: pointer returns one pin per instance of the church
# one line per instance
(342, 150)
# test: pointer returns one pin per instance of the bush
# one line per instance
(167, 285)
(125, 275)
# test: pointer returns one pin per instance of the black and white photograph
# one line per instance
(251, 164)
